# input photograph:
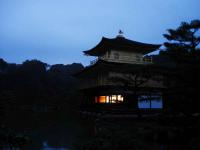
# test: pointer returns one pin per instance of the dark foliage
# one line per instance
(150, 133)
(35, 84)
(182, 55)
(29, 91)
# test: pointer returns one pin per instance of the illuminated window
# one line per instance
(120, 98)
(113, 99)
(109, 99)
(102, 99)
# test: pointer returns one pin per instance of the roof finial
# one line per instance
(120, 34)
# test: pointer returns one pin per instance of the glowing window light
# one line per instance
(120, 98)
(102, 99)
(114, 97)
(109, 99)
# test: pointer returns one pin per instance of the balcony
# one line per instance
(147, 60)
(93, 61)
(141, 60)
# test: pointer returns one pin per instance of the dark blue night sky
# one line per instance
(57, 31)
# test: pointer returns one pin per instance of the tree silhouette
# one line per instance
(183, 51)
(30, 90)
(183, 42)
(136, 79)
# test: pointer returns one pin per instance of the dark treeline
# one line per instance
(34, 85)
(35, 100)
(180, 59)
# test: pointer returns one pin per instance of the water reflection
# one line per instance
(47, 147)
(152, 102)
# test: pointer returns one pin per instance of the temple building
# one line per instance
(121, 74)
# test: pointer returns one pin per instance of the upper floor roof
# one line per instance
(122, 44)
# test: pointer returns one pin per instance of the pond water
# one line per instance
(50, 148)
(47, 147)
(155, 102)
(58, 130)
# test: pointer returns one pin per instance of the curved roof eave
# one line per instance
(121, 43)
(90, 51)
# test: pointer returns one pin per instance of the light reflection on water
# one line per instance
(50, 148)
(47, 147)
(154, 104)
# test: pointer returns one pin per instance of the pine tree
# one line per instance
(183, 50)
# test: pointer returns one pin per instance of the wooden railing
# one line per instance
(93, 61)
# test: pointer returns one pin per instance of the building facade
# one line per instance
(120, 75)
